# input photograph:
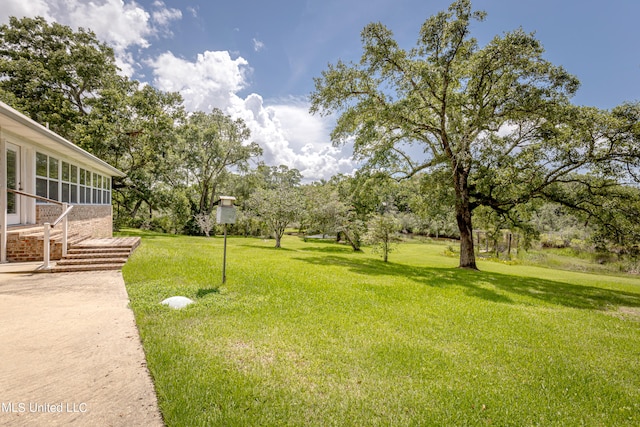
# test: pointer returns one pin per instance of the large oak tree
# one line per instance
(55, 74)
(497, 118)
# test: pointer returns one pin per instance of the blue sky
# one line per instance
(597, 41)
(257, 59)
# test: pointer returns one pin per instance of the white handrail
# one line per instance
(48, 226)
(47, 235)
(64, 214)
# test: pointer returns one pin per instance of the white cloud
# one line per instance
(193, 11)
(163, 16)
(287, 133)
(119, 24)
(21, 8)
(210, 81)
(257, 45)
(122, 25)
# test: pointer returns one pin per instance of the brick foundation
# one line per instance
(31, 248)
(85, 221)
(92, 220)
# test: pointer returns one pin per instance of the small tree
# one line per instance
(382, 232)
(277, 207)
(350, 226)
(206, 223)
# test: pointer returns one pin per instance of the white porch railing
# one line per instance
(47, 235)
(48, 226)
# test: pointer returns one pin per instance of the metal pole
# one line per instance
(224, 256)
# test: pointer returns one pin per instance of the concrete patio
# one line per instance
(71, 352)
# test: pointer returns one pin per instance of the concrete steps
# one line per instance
(97, 254)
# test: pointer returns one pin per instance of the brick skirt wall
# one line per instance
(31, 248)
(91, 220)
(94, 221)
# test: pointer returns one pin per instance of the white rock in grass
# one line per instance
(177, 302)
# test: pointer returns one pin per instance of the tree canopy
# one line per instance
(211, 145)
(447, 130)
(54, 74)
(497, 118)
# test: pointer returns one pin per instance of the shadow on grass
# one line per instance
(327, 246)
(204, 292)
(491, 286)
(146, 234)
(268, 248)
(329, 249)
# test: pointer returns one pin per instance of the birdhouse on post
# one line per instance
(225, 214)
(226, 211)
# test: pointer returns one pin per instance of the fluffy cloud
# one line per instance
(119, 24)
(288, 134)
(210, 81)
(163, 16)
(122, 25)
(20, 8)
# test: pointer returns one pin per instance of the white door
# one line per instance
(13, 181)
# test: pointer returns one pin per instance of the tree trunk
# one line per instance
(352, 241)
(213, 200)
(463, 218)
(385, 248)
(134, 212)
(204, 198)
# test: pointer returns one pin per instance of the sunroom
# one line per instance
(45, 179)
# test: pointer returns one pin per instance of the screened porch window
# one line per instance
(69, 183)
(63, 181)
(47, 176)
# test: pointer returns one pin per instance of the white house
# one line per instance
(41, 171)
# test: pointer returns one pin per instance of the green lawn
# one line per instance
(316, 335)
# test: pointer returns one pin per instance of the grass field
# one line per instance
(313, 334)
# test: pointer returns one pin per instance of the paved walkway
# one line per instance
(70, 352)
